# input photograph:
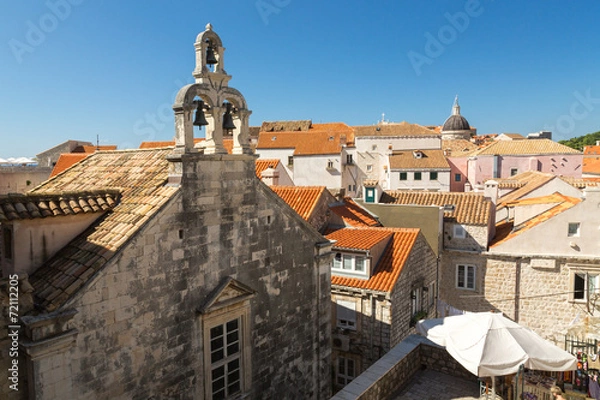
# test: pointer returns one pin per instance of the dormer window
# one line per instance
(352, 264)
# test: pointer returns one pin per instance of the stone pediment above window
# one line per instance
(228, 292)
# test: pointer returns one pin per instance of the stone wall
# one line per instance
(464, 299)
(476, 238)
(419, 271)
(395, 370)
(139, 331)
(536, 293)
(21, 179)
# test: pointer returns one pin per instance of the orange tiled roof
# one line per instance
(91, 149)
(262, 164)
(390, 266)
(458, 147)
(470, 208)
(528, 147)
(303, 199)
(526, 183)
(65, 160)
(591, 150)
(400, 129)
(319, 139)
(556, 197)
(353, 214)
(358, 239)
(506, 231)
(591, 164)
(431, 159)
(140, 176)
(581, 183)
(29, 206)
(227, 144)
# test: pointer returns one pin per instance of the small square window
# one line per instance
(513, 171)
(403, 176)
(433, 176)
(369, 167)
(459, 231)
(417, 176)
(374, 147)
(290, 161)
(457, 177)
(573, 229)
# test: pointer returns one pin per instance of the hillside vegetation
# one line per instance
(580, 141)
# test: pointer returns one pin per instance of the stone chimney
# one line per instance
(490, 191)
(270, 176)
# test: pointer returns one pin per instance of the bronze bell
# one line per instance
(210, 55)
(228, 124)
(200, 120)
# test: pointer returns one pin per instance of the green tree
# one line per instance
(579, 142)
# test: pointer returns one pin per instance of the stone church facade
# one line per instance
(199, 282)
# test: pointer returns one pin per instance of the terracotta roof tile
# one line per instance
(227, 143)
(591, 165)
(529, 147)
(506, 231)
(591, 150)
(400, 129)
(388, 269)
(303, 199)
(353, 214)
(470, 208)
(140, 177)
(319, 139)
(65, 161)
(358, 238)
(33, 205)
(262, 164)
(429, 159)
(525, 182)
(581, 183)
(458, 147)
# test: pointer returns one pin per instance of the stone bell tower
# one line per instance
(210, 102)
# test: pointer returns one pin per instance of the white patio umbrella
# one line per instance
(489, 344)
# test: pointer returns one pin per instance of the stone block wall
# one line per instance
(139, 331)
(395, 370)
(476, 238)
(463, 299)
(419, 271)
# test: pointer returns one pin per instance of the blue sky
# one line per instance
(75, 69)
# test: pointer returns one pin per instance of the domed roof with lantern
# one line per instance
(456, 126)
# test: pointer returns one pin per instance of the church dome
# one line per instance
(456, 126)
(456, 123)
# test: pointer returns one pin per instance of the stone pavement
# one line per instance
(433, 385)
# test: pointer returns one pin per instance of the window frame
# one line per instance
(433, 176)
(459, 231)
(577, 233)
(346, 378)
(369, 168)
(457, 177)
(348, 313)
(241, 313)
(514, 171)
(290, 162)
(465, 283)
(403, 176)
(417, 176)
(350, 260)
(585, 272)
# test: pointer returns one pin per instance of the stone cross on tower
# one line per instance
(211, 87)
